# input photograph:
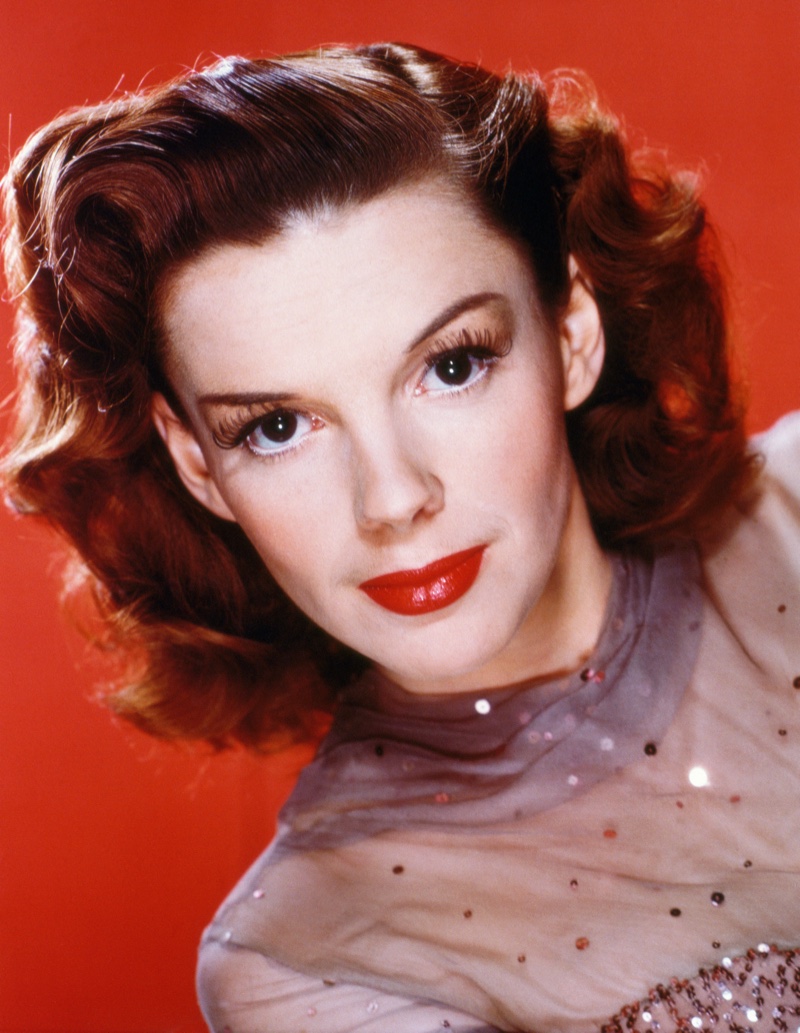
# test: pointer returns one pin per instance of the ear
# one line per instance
(187, 456)
(583, 346)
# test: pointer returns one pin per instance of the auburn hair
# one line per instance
(105, 202)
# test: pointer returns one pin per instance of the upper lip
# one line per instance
(422, 575)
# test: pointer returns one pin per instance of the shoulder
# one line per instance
(765, 525)
(780, 448)
(752, 566)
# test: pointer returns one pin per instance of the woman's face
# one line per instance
(376, 398)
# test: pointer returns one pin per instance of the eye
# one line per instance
(278, 431)
(456, 369)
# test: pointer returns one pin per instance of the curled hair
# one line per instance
(105, 202)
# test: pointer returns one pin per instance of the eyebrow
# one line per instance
(245, 398)
(458, 308)
(452, 312)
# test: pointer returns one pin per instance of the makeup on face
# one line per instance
(378, 401)
(272, 425)
(428, 588)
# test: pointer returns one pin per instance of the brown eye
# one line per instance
(455, 368)
(280, 426)
(279, 431)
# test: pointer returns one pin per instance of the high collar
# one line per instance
(395, 758)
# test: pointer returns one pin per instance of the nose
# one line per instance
(394, 488)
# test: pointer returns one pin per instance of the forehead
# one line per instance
(385, 267)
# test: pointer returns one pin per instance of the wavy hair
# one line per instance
(105, 201)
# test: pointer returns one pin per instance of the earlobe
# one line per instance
(187, 456)
(582, 340)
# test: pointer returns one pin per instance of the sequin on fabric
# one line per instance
(517, 834)
(759, 991)
(484, 756)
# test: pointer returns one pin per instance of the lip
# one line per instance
(429, 588)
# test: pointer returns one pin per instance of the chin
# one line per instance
(450, 650)
(456, 667)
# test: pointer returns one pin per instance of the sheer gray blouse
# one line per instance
(615, 848)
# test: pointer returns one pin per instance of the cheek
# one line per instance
(291, 523)
(520, 450)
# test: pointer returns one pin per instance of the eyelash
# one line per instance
(233, 432)
(485, 345)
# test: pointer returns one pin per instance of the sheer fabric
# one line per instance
(542, 857)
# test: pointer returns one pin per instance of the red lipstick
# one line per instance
(428, 588)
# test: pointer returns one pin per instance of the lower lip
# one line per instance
(430, 588)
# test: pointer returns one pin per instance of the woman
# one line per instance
(369, 382)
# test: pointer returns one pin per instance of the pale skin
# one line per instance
(411, 400)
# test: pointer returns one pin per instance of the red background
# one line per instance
(115, 851)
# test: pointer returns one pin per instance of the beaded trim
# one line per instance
(755, 993)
